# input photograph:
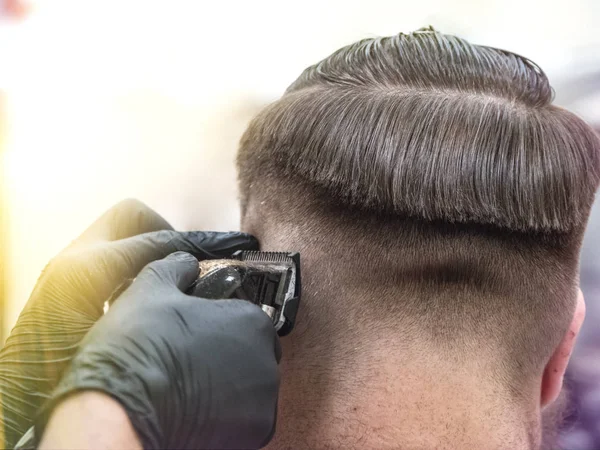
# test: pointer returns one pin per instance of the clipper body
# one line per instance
(270, 280)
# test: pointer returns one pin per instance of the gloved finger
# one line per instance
(127, 257)
(178, 270)
(114, 262)
(127, 218)
(140, 250)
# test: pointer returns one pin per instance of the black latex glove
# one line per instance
(190, 372)
(69, 297)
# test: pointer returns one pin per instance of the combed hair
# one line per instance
(431, 126)
(443, 133)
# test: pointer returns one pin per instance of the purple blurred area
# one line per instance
(581, 430)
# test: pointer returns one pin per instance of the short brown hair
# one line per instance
(460, 144)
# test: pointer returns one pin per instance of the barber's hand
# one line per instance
(69, 298)
(189, 372)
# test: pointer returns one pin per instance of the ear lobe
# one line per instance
(554, 372)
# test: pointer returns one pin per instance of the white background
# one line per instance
(147, 99)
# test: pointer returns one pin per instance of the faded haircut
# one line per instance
(489, 183)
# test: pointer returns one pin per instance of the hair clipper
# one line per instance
(270, 280)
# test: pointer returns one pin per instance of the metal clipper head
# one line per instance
(270, 280)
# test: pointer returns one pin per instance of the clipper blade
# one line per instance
(270, 280)
(264, 257)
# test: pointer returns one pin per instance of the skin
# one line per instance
(92, 421)
(552, 380)
(379, 387)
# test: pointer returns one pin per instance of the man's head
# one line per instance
(439, 201)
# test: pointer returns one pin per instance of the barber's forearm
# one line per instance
(89, 421)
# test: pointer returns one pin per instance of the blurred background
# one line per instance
(104, 100)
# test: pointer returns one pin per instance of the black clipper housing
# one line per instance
(270, 280)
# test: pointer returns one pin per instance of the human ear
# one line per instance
(554, 372)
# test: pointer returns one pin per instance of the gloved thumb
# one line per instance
(179, 270)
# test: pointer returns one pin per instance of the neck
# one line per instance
(372, 388)
(351, 397)
(353, 377)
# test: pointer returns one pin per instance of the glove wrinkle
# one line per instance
(190, 373)
(69, 298)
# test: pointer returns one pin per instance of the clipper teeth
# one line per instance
(275, 257)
